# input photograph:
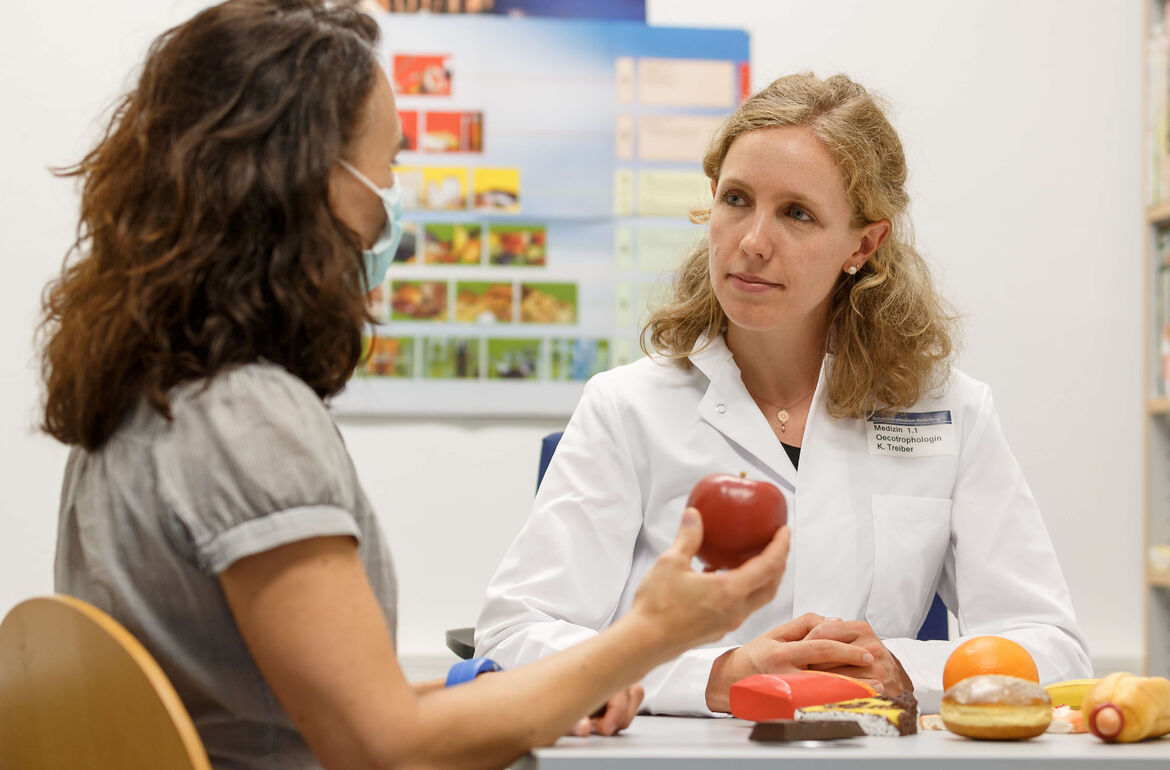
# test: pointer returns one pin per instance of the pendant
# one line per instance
(783, 417)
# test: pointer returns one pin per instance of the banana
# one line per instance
(1070, 693)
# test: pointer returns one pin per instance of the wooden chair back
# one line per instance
(78, 691)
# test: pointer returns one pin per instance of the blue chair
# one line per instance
(548, 445)
(461, 641)
(934, 627)
(935, 624)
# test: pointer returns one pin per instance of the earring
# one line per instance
(852, 270)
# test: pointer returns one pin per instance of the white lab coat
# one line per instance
(874, 535)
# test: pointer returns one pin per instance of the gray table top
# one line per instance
(681, 743)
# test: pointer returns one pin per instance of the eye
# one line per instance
(733, 198)
(799, 214)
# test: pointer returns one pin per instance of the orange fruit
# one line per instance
(989, 655)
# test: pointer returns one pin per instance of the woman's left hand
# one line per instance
(614, 716)
(885, 667)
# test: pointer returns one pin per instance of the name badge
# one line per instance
(912, 434)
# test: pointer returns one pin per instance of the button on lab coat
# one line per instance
(874, 536)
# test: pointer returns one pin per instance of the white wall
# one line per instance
(60, 66)
(1021, 122)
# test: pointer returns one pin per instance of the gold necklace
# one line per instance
(783, 416)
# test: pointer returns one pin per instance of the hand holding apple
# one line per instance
(740, 516)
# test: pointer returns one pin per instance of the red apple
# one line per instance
(740, 516)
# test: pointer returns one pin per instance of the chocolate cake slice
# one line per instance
(880, 715)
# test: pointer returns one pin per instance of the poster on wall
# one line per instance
(548, 168)
(629, 10)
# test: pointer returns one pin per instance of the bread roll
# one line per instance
(998, 708)
(1123, 708)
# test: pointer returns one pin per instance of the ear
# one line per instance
(714, 184)
(869, 238)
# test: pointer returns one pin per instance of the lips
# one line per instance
(751, 283)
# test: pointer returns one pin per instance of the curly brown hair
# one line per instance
(206, 239)
(890, 332)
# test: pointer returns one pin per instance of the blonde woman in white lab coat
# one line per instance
(805, 345)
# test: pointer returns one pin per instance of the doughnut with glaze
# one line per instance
(997, 708)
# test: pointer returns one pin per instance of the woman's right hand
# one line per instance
(782, 650)
(688, 608)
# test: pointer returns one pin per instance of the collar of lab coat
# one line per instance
(729, 408)
(832, 580)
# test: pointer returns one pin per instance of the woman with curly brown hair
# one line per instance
(804, 331)
(233, 217)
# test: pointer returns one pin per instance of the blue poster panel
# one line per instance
(548, 170)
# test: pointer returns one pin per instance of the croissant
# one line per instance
(1123, 708)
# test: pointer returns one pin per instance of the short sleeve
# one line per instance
(252, 461)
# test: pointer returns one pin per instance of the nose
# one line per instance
(756, 241)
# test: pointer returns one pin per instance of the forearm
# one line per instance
(493, 720)
(496, 718)
(427, 686)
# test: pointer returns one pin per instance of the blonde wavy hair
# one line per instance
(889, 330)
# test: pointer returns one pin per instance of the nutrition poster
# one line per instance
(548, 168)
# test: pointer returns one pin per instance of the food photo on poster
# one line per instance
(452, 244)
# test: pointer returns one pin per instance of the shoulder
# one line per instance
(260, 386)
(256, 420)
(962, 389)
(641, 395)
(257, 396)
(647, 375)
(966, 400)
(252, 459)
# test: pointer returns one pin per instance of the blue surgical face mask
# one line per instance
(379, 256)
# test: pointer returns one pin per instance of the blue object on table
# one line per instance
(933, 627)
(466, 670)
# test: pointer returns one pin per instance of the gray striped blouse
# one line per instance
(252, 460)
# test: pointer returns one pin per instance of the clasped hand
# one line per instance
(810, 642)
